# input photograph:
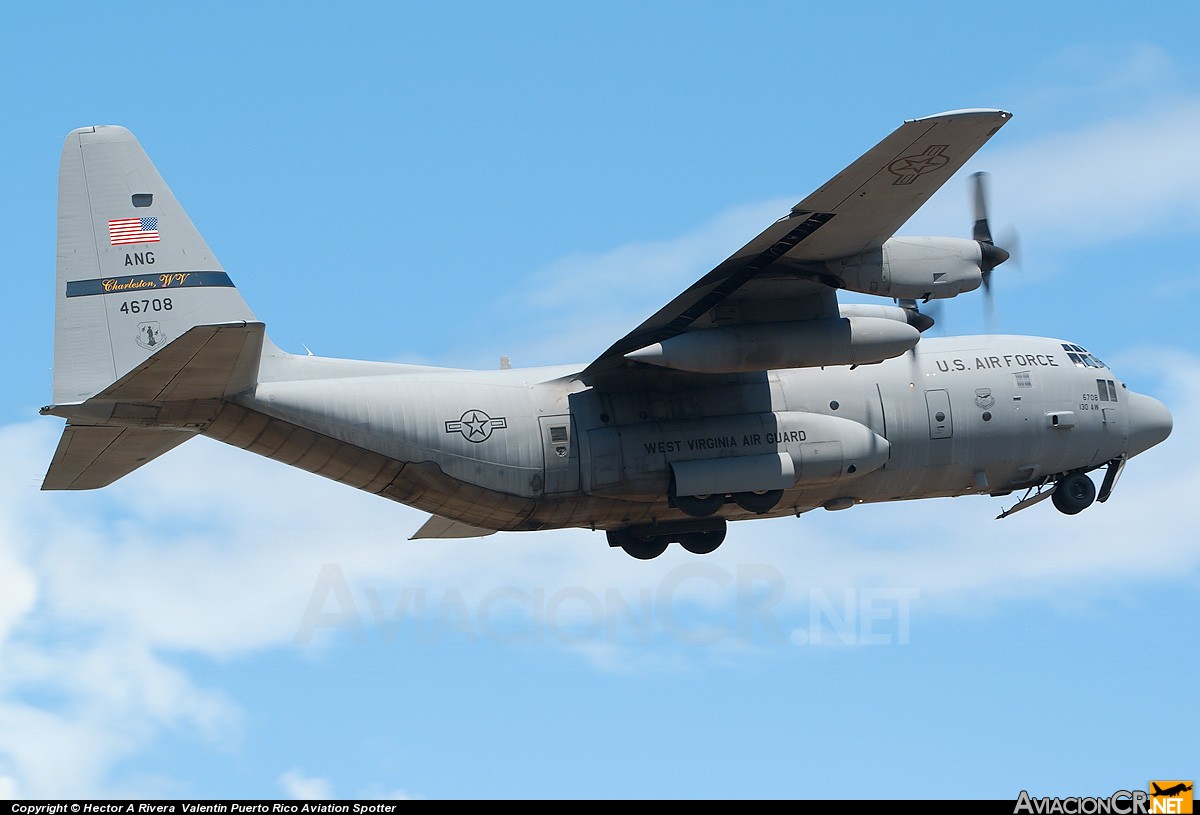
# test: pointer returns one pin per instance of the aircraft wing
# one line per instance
(777, 276)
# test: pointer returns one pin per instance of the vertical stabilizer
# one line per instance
(133, 272)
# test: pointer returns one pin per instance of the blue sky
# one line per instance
(453, 182)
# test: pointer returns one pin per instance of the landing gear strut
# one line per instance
(1074, 493)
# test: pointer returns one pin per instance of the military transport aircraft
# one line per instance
(752, 394)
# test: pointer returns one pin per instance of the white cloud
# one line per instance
(1114, 179)
(300, 787)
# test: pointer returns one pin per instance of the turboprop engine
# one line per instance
(846, 340)
(926, 268)
(916, 268)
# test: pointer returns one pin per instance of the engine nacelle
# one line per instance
(850, 340)
(913, 268)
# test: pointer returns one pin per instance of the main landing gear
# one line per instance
(702, 506)
(648, 542)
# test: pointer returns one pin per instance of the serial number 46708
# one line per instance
(140, 306)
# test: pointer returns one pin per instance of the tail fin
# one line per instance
(135, 279)
(133, 272)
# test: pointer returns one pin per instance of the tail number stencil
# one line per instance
(142, 306)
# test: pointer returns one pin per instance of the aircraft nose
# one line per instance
(1149, 423)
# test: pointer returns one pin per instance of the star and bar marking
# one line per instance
(476, 426)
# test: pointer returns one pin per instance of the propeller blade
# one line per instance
(992, 255)
(981, 232)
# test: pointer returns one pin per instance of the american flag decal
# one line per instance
(132, 230)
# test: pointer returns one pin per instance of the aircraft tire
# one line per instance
(1073, 494)
(702, 543)
(758, 502)
(699, 506)
(638, 547)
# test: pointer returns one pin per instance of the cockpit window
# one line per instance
(1081, 357)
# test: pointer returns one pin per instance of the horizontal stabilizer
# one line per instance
(207, 362)
(90, 457)
(439, 527)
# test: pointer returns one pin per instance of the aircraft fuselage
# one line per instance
(537, 448)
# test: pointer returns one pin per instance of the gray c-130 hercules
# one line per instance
(752, 394)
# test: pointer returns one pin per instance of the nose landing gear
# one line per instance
(1073, 493)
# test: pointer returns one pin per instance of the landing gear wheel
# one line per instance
(758, 502)
(702, 543)
(634, 546)
(1074, 493)
(699, 506)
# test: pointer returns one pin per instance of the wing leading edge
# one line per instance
(780, 275)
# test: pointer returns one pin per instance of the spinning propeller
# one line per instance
(991, 256)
